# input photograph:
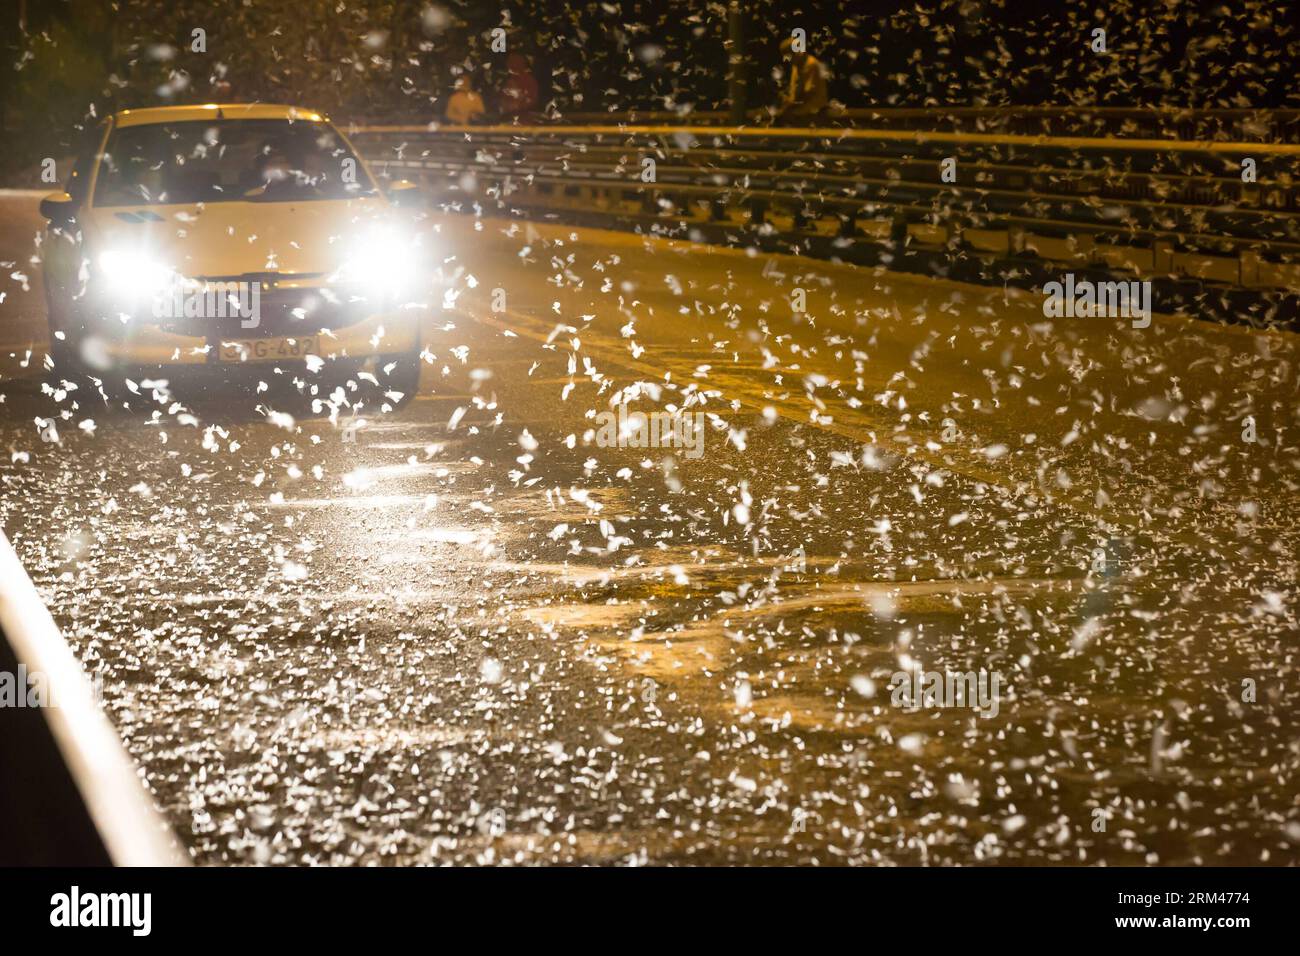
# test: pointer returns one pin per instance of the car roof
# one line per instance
(210, 111)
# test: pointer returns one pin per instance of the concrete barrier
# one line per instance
(70, 795)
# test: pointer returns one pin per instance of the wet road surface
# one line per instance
(464, 631)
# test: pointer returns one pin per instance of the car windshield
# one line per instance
(227, 161)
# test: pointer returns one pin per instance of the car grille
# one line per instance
(279, 312)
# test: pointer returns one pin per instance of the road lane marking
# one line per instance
(861, 433)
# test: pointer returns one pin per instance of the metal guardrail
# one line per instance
(1235, 125)
(1175, 123)
(1177, 210)
(69, 792)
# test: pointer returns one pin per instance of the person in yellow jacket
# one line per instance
(466, 105)
(805, 97)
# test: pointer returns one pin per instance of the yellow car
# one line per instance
(228, 235)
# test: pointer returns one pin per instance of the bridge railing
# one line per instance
(1240, 125)
(1224, 213)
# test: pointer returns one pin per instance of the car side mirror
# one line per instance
(403, 192)
(59, 208)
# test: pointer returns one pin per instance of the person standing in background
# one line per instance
(805, 97)
(518, 100)
(465, 106)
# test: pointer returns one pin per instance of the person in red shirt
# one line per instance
(518, 100)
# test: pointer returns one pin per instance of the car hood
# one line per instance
(236, 238)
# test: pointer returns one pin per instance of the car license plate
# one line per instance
(268, 349)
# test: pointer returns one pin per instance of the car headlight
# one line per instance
(384, 264)
(132, 277)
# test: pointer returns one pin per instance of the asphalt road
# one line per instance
(466, 632)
